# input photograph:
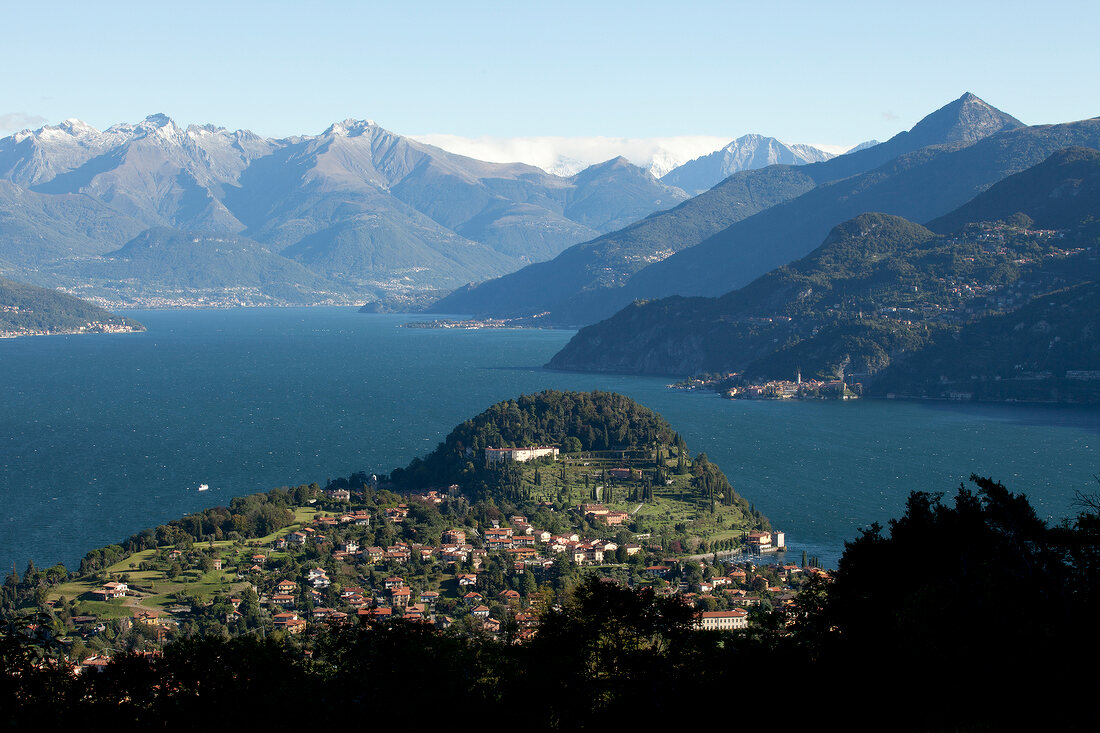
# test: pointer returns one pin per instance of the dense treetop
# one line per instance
(573, 421)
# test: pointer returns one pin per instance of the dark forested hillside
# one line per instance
(1061, 192)
(1047, 351)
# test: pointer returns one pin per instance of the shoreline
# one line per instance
(97, 329)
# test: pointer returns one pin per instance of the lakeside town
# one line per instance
(90, 327)
(732, 386)
(475, 324)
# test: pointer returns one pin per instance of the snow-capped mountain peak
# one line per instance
(350, 128)
(70, 128)
(745, 153)
(158, 119)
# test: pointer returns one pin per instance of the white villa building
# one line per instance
(722, 620)
(501, 455)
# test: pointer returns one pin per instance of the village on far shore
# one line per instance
(733, 386)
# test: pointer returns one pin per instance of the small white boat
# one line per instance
(203, 487)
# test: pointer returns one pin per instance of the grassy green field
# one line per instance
(674, 504)
(155, 590)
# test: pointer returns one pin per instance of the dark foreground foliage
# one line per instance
(969, 615)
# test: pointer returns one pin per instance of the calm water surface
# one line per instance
(101, 436)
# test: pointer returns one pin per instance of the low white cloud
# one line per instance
(830, 148)
(568, 155)
(16, 121)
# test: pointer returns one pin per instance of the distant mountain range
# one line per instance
(566, 156)
(759, 219)
(153, 214)
(356, 212)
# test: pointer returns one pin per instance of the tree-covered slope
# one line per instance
(169, 263)
(37, 229)
(878, 288)
(590, 429)
(1047, 351)
(1061, 192)
(862, 261)
(594, 420)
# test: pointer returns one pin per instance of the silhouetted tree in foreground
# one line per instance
(964, 616)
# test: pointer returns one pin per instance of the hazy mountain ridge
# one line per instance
(337, 196)
(189, 266)
(919, 186)
(609, 261)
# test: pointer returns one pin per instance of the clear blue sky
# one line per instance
(836, 72)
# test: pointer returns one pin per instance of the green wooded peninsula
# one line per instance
(618, 492)
(28, 310)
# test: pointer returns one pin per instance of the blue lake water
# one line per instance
(101, 436)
